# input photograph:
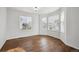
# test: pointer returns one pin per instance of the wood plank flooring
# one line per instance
(37, 43)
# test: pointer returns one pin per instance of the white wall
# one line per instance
(72, 27)
(14, 31)
(3, 18)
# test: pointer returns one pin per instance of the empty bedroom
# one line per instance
(39, 29)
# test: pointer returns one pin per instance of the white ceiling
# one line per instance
(42, 10)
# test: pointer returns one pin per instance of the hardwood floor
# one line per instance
(38, 43)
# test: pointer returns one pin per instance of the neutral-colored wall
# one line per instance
(3, 18)
(13, 30)
(72, 26)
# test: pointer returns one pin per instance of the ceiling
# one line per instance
(41, 10)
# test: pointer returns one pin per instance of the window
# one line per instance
(25, 22)
(44, 22)
(62, 22)
(53, 23)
